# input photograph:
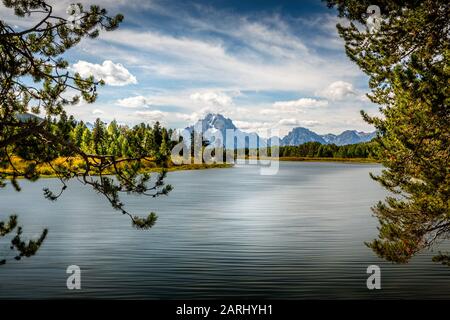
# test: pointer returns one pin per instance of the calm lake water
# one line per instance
(221, 233)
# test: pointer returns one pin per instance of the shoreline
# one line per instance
(317, 159)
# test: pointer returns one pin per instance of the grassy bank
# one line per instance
(47, 170)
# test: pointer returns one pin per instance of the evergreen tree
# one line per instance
(99, 137)
(407, 60)
(122, 147)
(113, 133)
(77, 134)
(86, 144)
(157, 136)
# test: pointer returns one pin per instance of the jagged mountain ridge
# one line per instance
(299, 135)
(213, 123)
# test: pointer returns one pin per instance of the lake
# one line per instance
(222, 233)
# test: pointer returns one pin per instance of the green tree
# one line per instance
(113, 132)
(407, 61)
(86, 141)
(113, 129)
(99, 137)
(36, 54)
(77, 134)
(157, 136)
(124, 147)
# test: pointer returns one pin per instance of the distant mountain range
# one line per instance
(29, 116)
(217, 122)
(24, 117)
(301, 135)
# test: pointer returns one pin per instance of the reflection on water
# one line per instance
(220, 233)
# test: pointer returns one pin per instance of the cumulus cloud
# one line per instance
(310, 123)
(300, 103)
(252, 126)
(97, 112)
(152, 115)
(113, 74)
(288, 122)
(215, 98)
(296, 122)
(269, 112)
(134, 102)
(338, 90)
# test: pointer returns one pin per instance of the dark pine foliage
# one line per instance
(407, 61)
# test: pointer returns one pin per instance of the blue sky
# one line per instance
(265, 64)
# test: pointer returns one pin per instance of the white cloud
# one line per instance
(310, 123)
(152, 115)
(288, 122)
(272, 38)
(252, 126)
(338, 90)
(134, 102)
(300, 103)
(269, 112)
(97, 112)
(213, 98)
(113, 74)
(296, 122)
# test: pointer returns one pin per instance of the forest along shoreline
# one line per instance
(44, 170)
(319, 159)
